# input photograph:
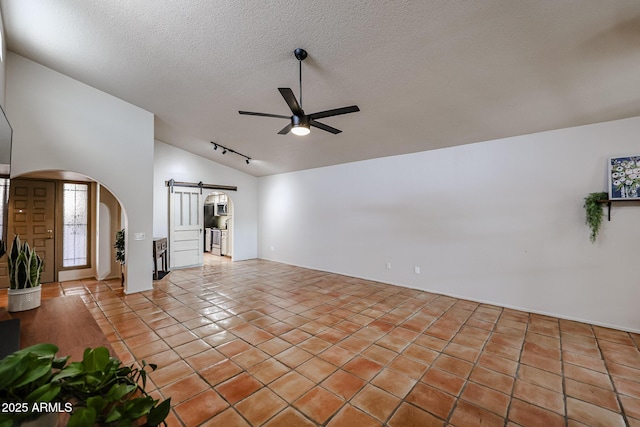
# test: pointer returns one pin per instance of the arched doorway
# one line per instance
(218, 224)
(70, 220)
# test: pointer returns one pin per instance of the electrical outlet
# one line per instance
(388, 266)
(416, 269)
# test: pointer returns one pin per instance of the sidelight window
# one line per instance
(75, 233)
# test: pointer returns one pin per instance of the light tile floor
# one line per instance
(257, 343)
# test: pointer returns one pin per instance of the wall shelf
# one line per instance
(610, 202)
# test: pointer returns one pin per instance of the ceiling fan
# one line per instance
(301, 122)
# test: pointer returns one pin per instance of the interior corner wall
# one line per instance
(62, 124)
(109, 222)
(500, 222)
(172, 162)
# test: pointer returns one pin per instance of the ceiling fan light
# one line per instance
(300, 130)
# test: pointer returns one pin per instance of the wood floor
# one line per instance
(257, 343)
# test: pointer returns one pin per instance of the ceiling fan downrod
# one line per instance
(301, 55)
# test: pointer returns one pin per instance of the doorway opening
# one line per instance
(218, 225)
(189, 237)
(70, 220)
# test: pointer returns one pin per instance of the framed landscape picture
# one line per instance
(624, 178)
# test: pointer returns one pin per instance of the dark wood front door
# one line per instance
(32, 217)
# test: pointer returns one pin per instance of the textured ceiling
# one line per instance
(425, 74)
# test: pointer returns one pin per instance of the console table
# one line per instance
(159, 250)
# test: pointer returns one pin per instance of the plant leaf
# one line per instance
(11, 261)
(37, 368)
(15, 365)
(83, 417)
(95, 359)
(59, 362)
(42, 349)
(11, 368)
(118, 391)
(97, 402)
(159, 413)
(135, 408)
(44, 393)
(74, 368)
(22, 271)
(114, 415)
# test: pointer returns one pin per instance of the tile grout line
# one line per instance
(467, 379)
(613, 384)
(107, 307)
(564, 378)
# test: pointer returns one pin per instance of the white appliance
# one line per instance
(215, 241)
(224, 243)
(207, 239)
(221, 209)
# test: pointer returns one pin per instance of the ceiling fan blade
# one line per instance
(334, 112)
(324, 127)
(285, 130)
(277, 116)
(291, 101)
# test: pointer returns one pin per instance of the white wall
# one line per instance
(499, 222)
(62, 124)
(172, 162)
(108, 225)
(3, 64)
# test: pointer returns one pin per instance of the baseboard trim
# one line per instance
(478, 300)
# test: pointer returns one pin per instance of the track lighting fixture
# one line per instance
(225, 149)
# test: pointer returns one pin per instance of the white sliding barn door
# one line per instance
(185, 227)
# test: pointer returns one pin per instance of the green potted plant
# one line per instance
(594, 213)
(24, 268)
(119, 245)
(25, 380)
(96, 391)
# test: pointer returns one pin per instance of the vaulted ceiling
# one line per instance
(425, 74)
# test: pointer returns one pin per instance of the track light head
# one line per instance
(224, 151)
(247, 161)
(215, 146)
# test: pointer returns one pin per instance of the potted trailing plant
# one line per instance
(119, 245)
(25, 268)
(594, 213)
(97, 390)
